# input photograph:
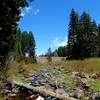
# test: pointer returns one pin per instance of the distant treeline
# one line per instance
(83, 38)
(61, 51)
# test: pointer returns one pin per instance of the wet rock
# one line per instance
(48, 98)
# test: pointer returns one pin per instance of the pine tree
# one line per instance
(24, 42)
(94, 39)
(31, 45)
(17, 45)
(98, 40)
(85, 35)
(72, 34)
(10, 11)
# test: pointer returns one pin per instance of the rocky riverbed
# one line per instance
(54, 83)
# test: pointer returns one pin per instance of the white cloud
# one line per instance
(28, 9)
(56, 43)
(36, 11)
(63, 43)
(25, 11)
(22, 14)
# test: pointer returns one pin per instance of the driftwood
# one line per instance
(44, 92)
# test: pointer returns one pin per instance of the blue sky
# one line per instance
(49, 19)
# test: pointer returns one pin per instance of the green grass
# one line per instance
(19, 78)
(94, 84)
(67, 79)
(84, 97)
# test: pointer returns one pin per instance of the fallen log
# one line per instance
(44, 91)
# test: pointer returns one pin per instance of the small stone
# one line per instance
(39, 98)
(48, 98)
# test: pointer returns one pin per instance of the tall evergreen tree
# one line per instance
(32, 45)
(72, 34)
(99, 40)
(94, 39)
(10, 11)
(85, 35)
(25, 42)
(17, 45)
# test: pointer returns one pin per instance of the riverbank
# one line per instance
(55, 83)
(64, 80)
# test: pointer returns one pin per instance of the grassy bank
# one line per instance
(88, 65)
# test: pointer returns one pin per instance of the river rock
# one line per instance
(48, 98)
(96, 96)
(61, 92)
(39, 98)
(95, 75)
(40, 78)
(76, 93)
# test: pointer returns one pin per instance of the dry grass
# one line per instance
(87, 65)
